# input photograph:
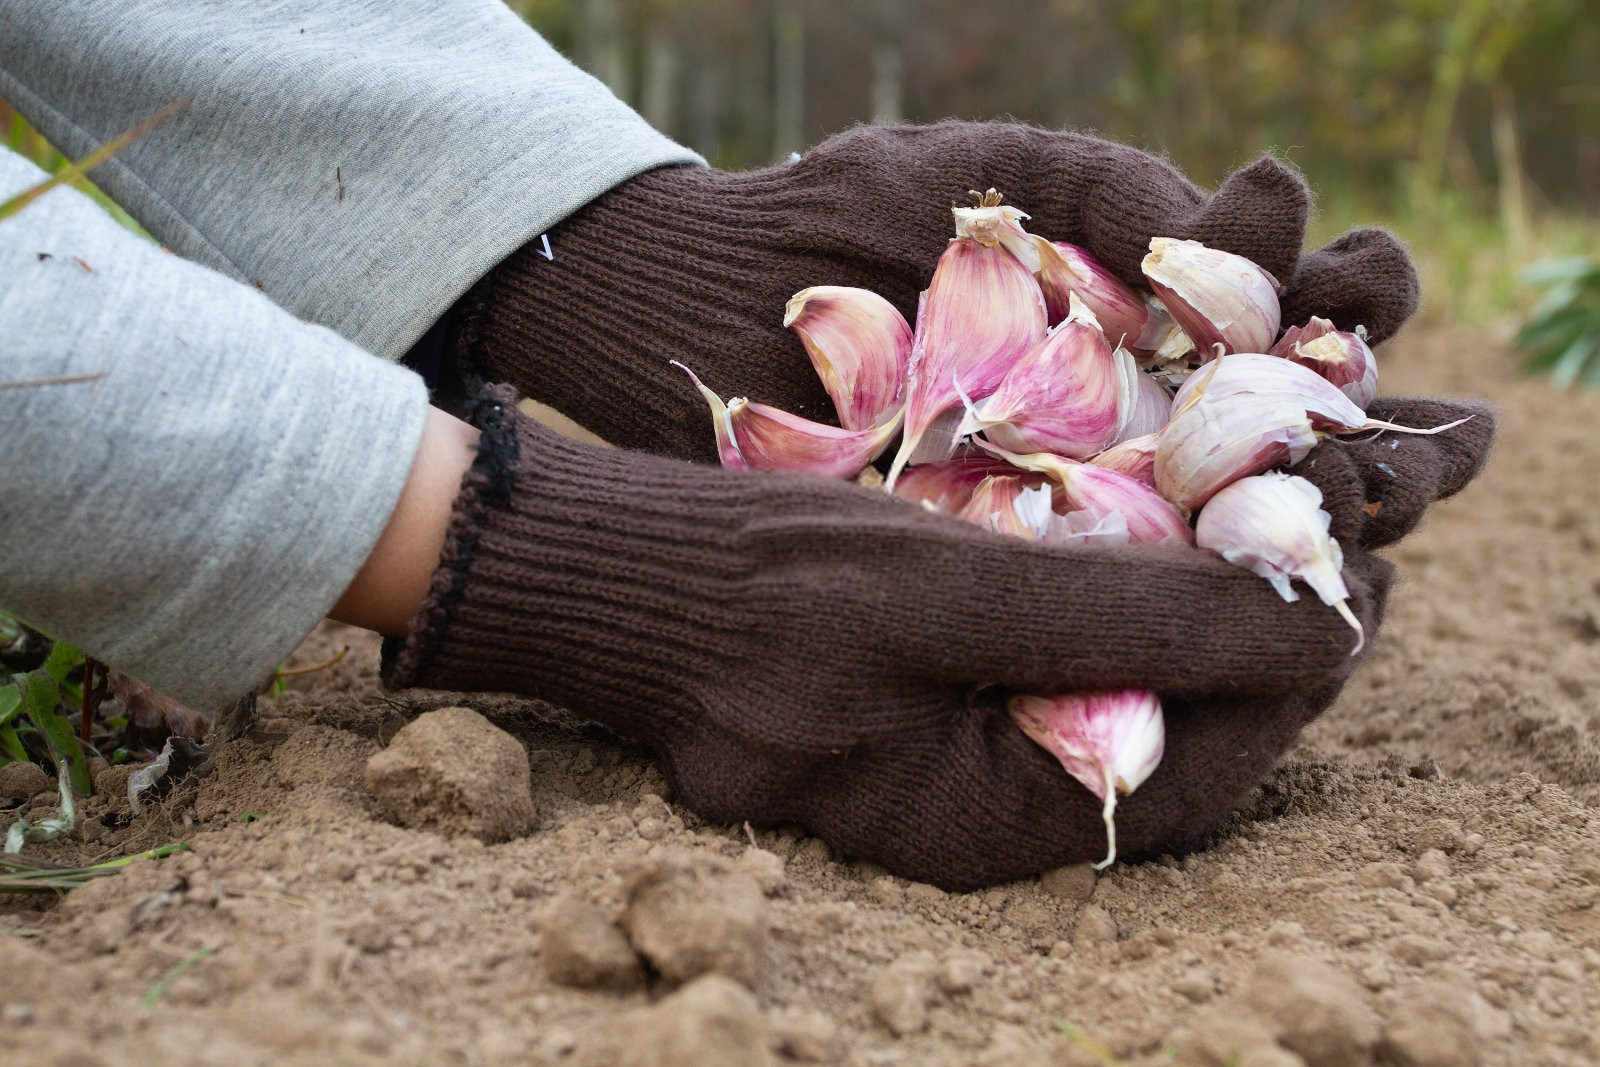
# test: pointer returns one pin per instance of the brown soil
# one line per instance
(1418, 883)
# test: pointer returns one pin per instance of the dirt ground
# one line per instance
(1418, 883)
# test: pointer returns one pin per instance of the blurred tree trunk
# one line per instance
(1508, 171)
(788, 77)
(887, 89)
(658, 100)
(599, 43)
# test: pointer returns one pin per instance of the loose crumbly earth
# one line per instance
(1419, 882)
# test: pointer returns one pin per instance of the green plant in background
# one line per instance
(31, 704)
(1562, 333)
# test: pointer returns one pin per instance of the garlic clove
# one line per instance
(1271, 378)
(1273, 524)
(859, 345)
(1135, 457)
(1067, 394)
(946, 487)
(1150, 403)
(1006, 504)
(982, 310)
(1340, 356)
(1213, 442)
(762, 437)
(1101, 493)
(727, 447)
(1110, 742)
(1065, 270)
(1215, 296)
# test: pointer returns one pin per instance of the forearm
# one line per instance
(193, 511)
(363, 162)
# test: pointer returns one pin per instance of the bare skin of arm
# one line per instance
(389, 588)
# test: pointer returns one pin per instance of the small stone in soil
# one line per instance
(711, 1022)
(693, 914)
(580, 947)
(1319, 1012)
(900, 993)
(1073, 884)
(453, 771)
(805, 1035)
(20, 781)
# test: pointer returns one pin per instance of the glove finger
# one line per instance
(1363, 278)
(1378, 489)
(1259, 213)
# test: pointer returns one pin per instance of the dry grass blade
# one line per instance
(60, 379)
(23, 874)
(76, 170)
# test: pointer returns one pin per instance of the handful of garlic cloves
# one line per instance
(1034, 398)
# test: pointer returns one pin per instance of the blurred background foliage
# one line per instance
(1470, 127)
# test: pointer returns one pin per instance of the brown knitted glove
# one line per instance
(800, 650)
(695, 264)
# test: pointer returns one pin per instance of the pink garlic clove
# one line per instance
(1065, 269)
(1270, 378)
(859, 345)
(946, 487)
(1006, 504)
(1135, 457)
(1340, 356)
(762, 437)
(981, 312)
(1102, 493)
(1067, 394)
(1110, 742)
(1273, 524)
(1211, 443)
(1215, 296)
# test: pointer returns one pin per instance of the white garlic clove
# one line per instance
(1273, 524)
(859, 345)
(1111, 742)
(1215, 296)
(1213, 442)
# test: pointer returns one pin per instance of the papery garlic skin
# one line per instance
(1215, 296)
(1065, 269)
(860, 346)
(1100, 493)
(982, 310)
(1068, 394)
(1340, 356)
(1273, 524)
(1110, 742)
(994, 223)
(1135, 457)
(762, 437)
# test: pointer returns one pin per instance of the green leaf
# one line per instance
(12, 744)
(1557, 328)
(1566, 268)
(41, 694)
(1571, 362)
(63, 658)
(10, 703)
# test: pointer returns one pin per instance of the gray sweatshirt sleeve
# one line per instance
(363, 161)
(190, 514)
